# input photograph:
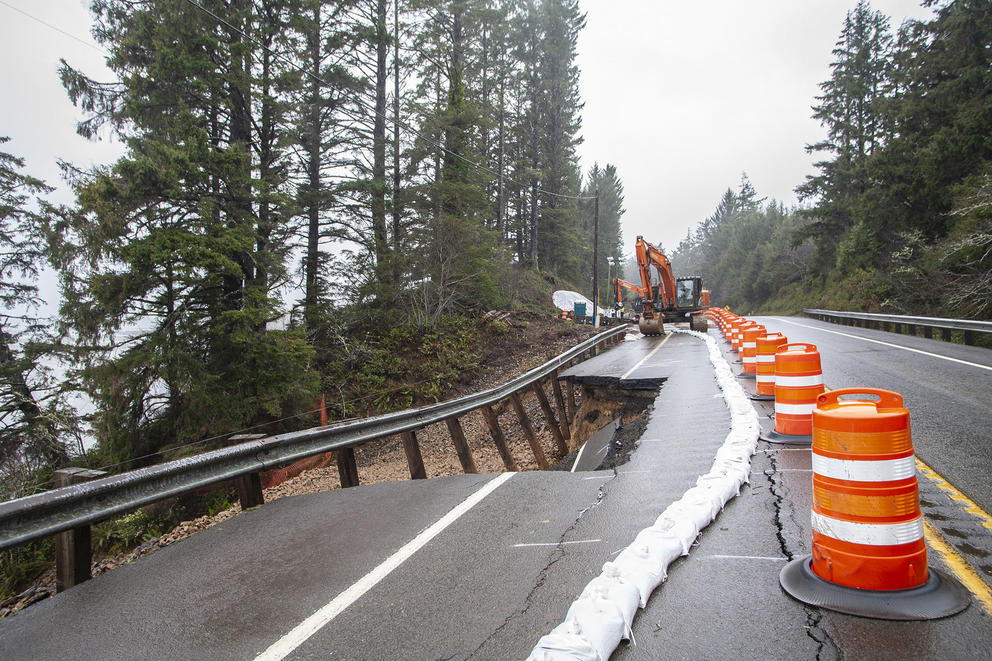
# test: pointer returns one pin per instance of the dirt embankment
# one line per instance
(509, 350)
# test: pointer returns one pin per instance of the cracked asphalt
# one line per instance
(504, 574)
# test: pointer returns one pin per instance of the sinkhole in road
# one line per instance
(625, 409)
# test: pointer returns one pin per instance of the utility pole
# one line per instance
(595, 264)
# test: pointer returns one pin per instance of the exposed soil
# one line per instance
(511, 348)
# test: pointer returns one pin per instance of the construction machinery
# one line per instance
(671, 299)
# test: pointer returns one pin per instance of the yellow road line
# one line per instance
(959, 566)
(968, 505)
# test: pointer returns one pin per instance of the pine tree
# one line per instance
(851, 110)
(169, 261)
(36, 421)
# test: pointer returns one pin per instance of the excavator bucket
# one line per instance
(653, 326)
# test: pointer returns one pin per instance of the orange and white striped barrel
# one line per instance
(867, 524)
(739, 328)
(725, 324)
(749, 348)
(798, 382)
(767, 345)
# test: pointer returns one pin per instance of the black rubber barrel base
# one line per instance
(785, 439)
(941, 596)
(746, 375)
(761, 398)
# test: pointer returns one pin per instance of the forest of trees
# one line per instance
(304, 182)
(898, 217)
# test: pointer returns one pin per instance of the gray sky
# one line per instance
(681, 96)
(684, 96)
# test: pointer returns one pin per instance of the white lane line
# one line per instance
(578, 457)
(888, 344)
(599, 477)
(576, 541)
(308, 627)
(747, 557)
(641, 361)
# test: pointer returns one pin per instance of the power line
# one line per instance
(56, 28)
(361, 103)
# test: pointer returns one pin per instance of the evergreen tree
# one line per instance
(850, 109)
(169, 262)
(37, 422)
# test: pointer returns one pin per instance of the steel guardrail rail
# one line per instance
(40, 515)
(933, 322)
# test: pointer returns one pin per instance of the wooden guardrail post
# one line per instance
(413, 458)
(945, 334)
(347, 467)
(535, 445)
(498, 438)
(73, 547)
(560, 401)
(969, 337)
(461, 445)
(249, 486)
(549, 415)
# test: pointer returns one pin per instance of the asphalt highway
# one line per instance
(481, 566)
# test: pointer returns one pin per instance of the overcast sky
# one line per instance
(685, 96)
(681, 96)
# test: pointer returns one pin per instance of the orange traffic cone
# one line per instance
(798, 382)
(869, 557)
(767, 345)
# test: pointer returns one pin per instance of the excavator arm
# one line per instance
(618, 287)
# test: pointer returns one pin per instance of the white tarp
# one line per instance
(566, 300)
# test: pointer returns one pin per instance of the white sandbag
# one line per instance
(681, 528)
(663, 547)
(600, 622)
(637, 568)
(558, 646)
(624, 595)
(723, 486)
(700, 513)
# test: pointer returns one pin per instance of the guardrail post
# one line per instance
(498, 438)
(560, 401)
(249, 490)
(945, 334)
(969, 337)
(73, 547)
(928, 332)
(461, 445)
(549, 415)
(347, 467)
(535, 445)
(413, 458)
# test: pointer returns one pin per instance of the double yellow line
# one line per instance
(958, 566)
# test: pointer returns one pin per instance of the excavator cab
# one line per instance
(688, 292)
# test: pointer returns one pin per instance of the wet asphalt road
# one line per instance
(489, 585)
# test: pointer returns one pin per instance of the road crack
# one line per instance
(813, 615)
(555, 556)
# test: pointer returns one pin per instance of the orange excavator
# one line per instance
(671, 299)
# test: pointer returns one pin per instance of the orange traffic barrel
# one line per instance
(749, 350)
(767, 345)
(798, 382)
(869, 557)
(704, 297)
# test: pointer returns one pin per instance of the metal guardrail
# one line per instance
(967, 326)
(41, 515)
